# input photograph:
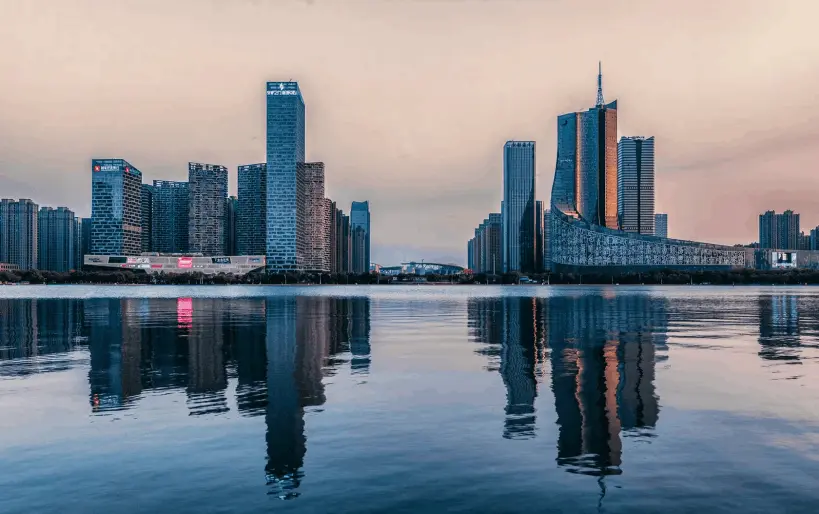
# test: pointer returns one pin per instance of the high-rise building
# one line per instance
(518, 208)
(285, 244)
(116, 208)
(316, 230)
(487, 245)
(207, 194)
(779, 231)
(56, 238)
(661, 225)
(635, 184)
(586, 171)
(547, 242)
(814, 239)
(231, 210)
(19, 233)
(343, 246)
(146, 207)
(86, 224)
(540, 233)
(251, 227)
(78, 243)
(170, 217)
(360, 237)
(470, 254)
(804, 241)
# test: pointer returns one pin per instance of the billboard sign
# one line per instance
(184, 262)
(221, 260)
(138, 260)
(783, 260)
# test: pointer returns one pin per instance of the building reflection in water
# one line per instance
(278, 351)
(779, 336)
(602, 351)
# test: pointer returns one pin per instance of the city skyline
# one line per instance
(733, 96)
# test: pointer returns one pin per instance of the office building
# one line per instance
(169, 231)
(85, 223)
(116, 207)
(360, 237)
(814, 239)
(343, 245)
(661, 225)
(470, 254)
(547, 245)
(332, 236)
(231, 211)
(635, 184)
(251, 227)
(146, 207)
(18, 233)
(207, 196)
(78, 243)
(518, 208)
(285, 244)
(316, 228)
(539, 236)
(56, 239)
(779, 231)
(486, 248)
(584, 233)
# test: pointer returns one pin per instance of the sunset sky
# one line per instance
(409, 102)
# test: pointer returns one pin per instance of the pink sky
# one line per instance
(409, 102)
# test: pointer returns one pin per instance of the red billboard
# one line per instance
(184, 262)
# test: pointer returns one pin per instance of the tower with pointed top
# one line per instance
(585, 184)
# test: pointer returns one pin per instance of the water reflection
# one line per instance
(779, 328)
(602, 351)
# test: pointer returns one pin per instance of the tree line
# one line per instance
(670, 277)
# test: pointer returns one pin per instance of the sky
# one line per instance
(409, 102)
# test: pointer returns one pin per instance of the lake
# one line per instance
(409, 399)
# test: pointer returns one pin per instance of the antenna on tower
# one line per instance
(600, 101)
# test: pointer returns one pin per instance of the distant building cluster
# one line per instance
(281, 211)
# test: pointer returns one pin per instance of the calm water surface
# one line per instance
(409, 399)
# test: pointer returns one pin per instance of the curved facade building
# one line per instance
(584, 227)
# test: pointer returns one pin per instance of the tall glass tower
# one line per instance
(169, 217)
(56, 238)
(207, 196)
(251, 227)
(360, 236)
(285, 245)
(116, 208)
(635, 184)
(518, 207)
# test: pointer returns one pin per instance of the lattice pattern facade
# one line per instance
(578, 244)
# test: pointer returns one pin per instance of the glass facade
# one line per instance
(116, 207)
(147, 194)
(518, 208)
(207, 196)
(170, 217)
(360, 237)
(231, 210)
(19, 233)
(56, 238)
(285, 244)
(635, 184)
(661, 225)
(251, 228)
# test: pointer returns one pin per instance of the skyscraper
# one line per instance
(86, 224)
(779, 231)
(207, 194)
(19, 233)
(585, 183)
(251, 227)
(344, 243)
(146, 207)
(116, 208)
(661, 225)
(360, 236)
(55, 234)
(539, 236)
(332, 239)
(78, 243)
(635, 184)
(316, 231)
(547, 242)
(170, 217)
(231, 209)
(518, 208)
(486, 247)
(285, 245)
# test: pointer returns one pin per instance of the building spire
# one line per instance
(600, 101)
